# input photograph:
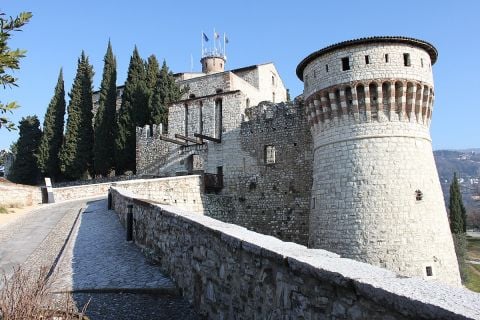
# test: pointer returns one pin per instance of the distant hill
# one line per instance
(466, 163)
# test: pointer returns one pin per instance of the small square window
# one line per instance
(269, 154)
(345, 64)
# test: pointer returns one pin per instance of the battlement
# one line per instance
(152, 132)
(267, 110)
(372, 100)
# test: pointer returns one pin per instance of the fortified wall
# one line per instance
(266, 164)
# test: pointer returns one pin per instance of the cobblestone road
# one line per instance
(97, 263)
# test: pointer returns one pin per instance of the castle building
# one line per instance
(376, 193)
(348, 167)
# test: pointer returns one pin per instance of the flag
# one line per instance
(205, 36)
(216, 35)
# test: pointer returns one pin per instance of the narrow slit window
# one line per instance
(345, 64)
(386, 57)
(406, 60)
(326, 67)
(418, 195)
(367, 59)
(421, 62)
(429, 271)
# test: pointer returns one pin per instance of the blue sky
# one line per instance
(283, 32)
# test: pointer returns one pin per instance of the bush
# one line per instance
(26, 295)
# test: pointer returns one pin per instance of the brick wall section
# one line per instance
(229, 272)
(18, 195)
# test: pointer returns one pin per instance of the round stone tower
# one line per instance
(213, 63)
(376, 196)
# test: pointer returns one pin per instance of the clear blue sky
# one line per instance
(283, 32)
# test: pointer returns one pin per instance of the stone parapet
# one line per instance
(227, 271)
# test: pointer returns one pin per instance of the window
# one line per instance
(367, 59)
(186, 120)
(269, 154)
(418, 195)
(273, 80)
(345, 64)
(191, 96)
(386, 57)
(218, 119)
(273, 97)
(406, 59)
(247, 103)
(326, 67)
(421, 62)
(219, 90)
(429, 271)
(314, 74)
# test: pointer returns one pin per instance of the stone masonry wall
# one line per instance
(18, 195)
(184, 192)
(228, 272)
(274, 198)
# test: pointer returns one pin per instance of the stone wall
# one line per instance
(273, 198)
(229, 272)
(317, 77)
(19, 195)
(182, 192)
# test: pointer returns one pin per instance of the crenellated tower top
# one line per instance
(370, 79)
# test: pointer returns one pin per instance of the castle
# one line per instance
(347, 167)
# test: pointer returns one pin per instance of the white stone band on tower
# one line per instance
(376, 196)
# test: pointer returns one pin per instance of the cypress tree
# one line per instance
(24, 169)
(105, 118)
(165, 92)
(152, 75)
(52, 137)
(133, 112)
(76, 154)
(456, 208)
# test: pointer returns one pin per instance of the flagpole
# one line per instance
(224, 47)
(214, 41)
(201, 55)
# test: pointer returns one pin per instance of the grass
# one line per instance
(473, 248)
(3, 210)
(473, 270)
